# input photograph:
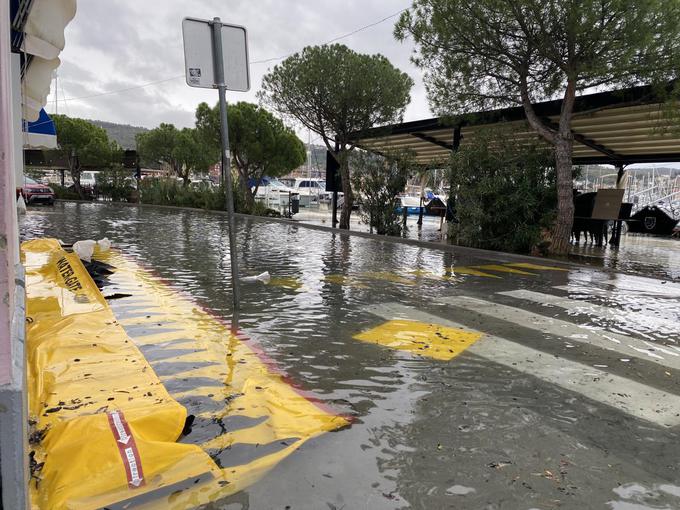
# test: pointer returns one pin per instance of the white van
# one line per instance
(88, 179)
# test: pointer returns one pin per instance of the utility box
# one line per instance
(333, 177)
(294, 203)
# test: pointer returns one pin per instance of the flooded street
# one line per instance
(562, 390)
(639, 254)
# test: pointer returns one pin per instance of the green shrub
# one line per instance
(173, 192)
(170, 192)
(116, 184)
(63, 193)
(379, 179)
(504, 193)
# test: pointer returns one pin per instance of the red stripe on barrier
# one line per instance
(127, 447)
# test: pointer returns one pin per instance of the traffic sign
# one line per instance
(216, 56)
(199, 60)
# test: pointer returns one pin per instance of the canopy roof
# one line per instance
(619, 127)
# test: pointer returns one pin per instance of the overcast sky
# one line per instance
(118, 44)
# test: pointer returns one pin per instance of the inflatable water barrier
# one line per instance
(111, 385)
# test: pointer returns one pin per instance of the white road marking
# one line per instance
(588, 288)
(603, 312)
(576, 333)
(630, 397)
(644, 285)
(669, 309)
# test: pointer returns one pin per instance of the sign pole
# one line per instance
(226, 166)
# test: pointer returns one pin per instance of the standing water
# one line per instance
(567, 396)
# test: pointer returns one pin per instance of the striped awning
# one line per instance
(620, 127)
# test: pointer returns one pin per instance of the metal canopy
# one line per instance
(619, 127)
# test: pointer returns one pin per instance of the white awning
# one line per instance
(44, 40)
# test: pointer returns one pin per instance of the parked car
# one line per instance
(35, 192)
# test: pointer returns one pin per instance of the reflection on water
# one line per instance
(638, 254)
(636, 496)
(462, 434)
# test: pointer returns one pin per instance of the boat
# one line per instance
(652, 220)
(272, 192)
(436, 206)
(433, 205)
(311, 191)
(410, 202)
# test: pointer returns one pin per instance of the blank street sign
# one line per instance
(198, 55)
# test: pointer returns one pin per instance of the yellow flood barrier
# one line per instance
(230, 376)
(105, 425)
(422, 339)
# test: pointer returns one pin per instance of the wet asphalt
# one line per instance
(571, 399)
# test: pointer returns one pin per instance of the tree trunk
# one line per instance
(563, 141)
(181, 172)
(348, 199)
(248, 197)
(74, 170)
(565, 197)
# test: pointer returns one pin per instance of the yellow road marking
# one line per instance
(287, 282)
(430, 275)
(388, 277)
(539, 267)
(431, 340)
(339, 279)
(503, 269)
(473, 272)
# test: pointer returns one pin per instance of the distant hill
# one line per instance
(124, 134)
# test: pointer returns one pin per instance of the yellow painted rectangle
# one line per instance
(345, 281)
(430, 340)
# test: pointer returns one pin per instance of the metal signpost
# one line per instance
(216, 56)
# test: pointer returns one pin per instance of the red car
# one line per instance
(34, 192)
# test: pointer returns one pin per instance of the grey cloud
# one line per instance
(124, 43)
